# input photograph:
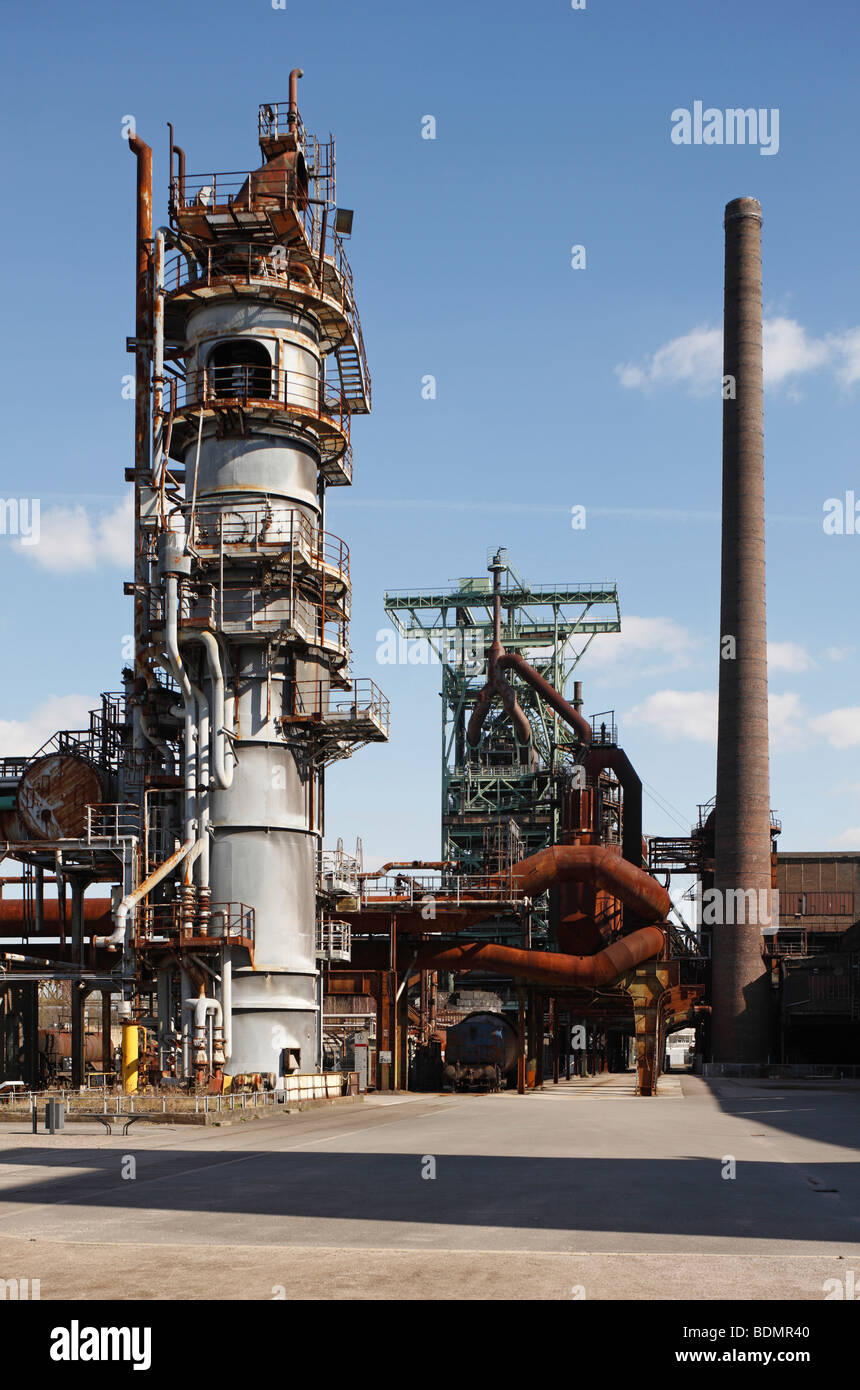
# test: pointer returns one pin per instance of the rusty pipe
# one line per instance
(597, 865)
(544, 967)
(293, 117)
(410, 864)
(512, 661)
(142, 353)
(142, 324)
(497, 686)
(13, 912)
(180, 159)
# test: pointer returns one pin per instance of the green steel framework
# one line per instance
(494, 785)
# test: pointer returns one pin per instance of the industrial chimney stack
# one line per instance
(742, 869)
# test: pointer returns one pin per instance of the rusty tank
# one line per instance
(53, 796)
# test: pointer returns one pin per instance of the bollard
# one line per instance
(55, 1116)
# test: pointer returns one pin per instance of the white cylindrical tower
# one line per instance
(259, 316)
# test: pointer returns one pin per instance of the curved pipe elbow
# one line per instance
(512, 661)
(497, 685)
(595, 864)
(204, 1006)
(477, 717)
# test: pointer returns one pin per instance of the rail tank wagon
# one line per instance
(480, 1053)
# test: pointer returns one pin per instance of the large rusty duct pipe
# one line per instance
(560, 864)
(631, 785)
(741, 1009)
(545, 967)
(597, 865)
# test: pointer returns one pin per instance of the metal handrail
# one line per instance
(233, 188)
(272, 387)
(268, 526)
(450, 890)
(316, 699)
(113, 821)
(231, 920)
(334, 937)
(275, 118)
(252, 609)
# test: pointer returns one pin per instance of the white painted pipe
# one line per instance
(180, 675)
(202, 719)
(227, 1000)
(223, 763)
(187, 851)
(202, 1007)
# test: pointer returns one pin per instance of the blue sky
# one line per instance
(555, 386)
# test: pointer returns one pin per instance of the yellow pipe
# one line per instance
(130, 1057)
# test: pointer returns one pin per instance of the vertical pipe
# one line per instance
(180, 158)
(130, 1058)
(741, 1022)
(77, 1041)
(142, 353)
(293, 116)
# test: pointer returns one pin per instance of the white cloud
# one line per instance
(788, 350)
(837, 653)
(785, 714)
(21, 737)
(694, 360)
(692, 714)
(847, 839)
(841, 727)
(642, 645)
(788, 656)
(848, 347)
(72, 539)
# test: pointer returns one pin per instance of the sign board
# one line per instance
(359, 1047)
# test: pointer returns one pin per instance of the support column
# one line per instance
(107, 1049)
(647, 987)
(531, 1032)
(79, 997)
(521, 1041)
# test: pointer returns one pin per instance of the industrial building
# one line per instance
(171, 855)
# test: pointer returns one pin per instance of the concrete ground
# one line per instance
(581, 1190)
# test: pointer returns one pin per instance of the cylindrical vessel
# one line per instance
(250, 491)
